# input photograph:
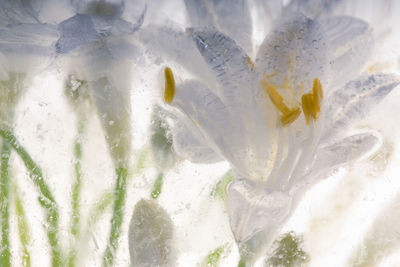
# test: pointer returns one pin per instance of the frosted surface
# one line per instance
(199, 133)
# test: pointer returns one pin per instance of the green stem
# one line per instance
(23, 229)
(46, 199)
(76, 190)
(157, 187)
(117, 216)
(101, 205)
(5, 255)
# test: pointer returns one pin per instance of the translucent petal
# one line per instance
(264, 14)
(230, 17)
(27, 46)
(210, 117)
(113, 105)
(18, 11)
(229, 63)
(178, 46)
(150, 236)
(243, 98)
(75, 31)
(312, 8)
(252, 209)
(292, 55)
(192, 146)
(346, 150)
(355, 100)
(200, 13)
(350, 43)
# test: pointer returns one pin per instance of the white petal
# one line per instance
(293, 55)
(75, 31)
(241, 94)
(113, 105)
(312, 8)
(245, 139)
(192, 146)
(229, 64)
(345, 151)
(27, 46)
(253, 209)
(354, 101)
(211, 118)
(230, 17)
(350, 43)
(178, 46)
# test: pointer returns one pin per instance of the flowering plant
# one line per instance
(282, 121)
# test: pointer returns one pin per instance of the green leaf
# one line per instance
(117, 216)
(288, 252)
(46, 199)
(24, 231)
(220, 188)
(5, 254)
(76, 191)
(150, 235)
(214, 257)
(157, 187)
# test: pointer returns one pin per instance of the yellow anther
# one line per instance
(276, 98)
(317, 89)
(169, 91)
(250, 63)
(290, 117)
(306, 103)
(311, 102)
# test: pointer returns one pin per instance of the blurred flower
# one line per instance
(25, 50)
(285, 119)
(96, 47)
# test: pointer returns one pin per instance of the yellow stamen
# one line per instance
(311, 102)
(290, 117)
(317, 89)
(276, 99)
(250, 63)
(169, 91)
(306, 103)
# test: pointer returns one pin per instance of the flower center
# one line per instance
(310, 102)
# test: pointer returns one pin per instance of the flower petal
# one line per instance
(354, 101)
(229, 63)
(178, 46)
(293, 55)
(230, 17)
(210, 117)
(246, 143)
(253, 208)
(350, 43)
(346, 150)
(312, 8)
(113, 105)
(75, 31)
(192, 146)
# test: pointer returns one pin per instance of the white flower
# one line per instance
(25, 50)
(281, 121)
(97, 48)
